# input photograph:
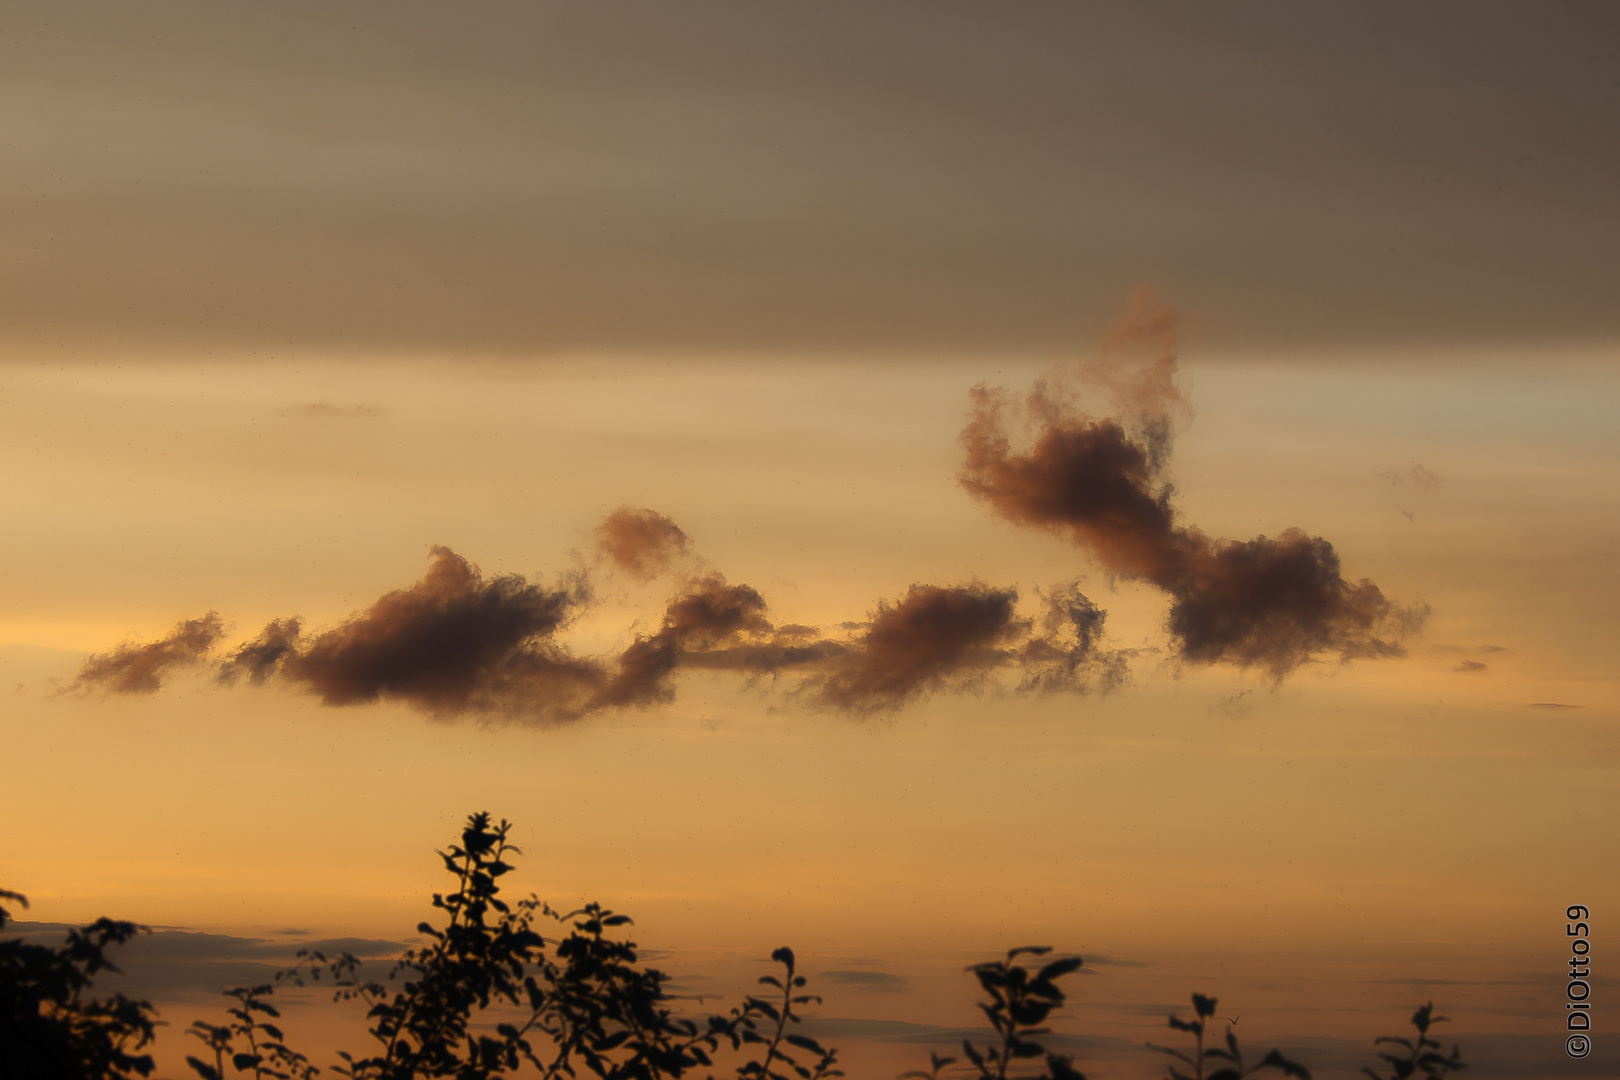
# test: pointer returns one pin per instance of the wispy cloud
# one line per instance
(139, 668)
(1413, 474)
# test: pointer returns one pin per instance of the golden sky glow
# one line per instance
(277, 322)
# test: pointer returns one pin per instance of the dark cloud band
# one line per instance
(457, 643)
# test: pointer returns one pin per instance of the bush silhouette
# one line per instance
(262, 1049)
(488, 994)
(576, 1002)
(49, 1027)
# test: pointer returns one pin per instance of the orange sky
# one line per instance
(1362, 822)
(205, 406)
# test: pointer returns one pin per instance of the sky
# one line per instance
(902, 481)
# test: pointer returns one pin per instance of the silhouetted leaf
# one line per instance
(1058, 968)
(1275, 1060)
(203, 1069)
(1169, 1050)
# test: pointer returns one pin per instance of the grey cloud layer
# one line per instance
(736, 175)
(167, 964)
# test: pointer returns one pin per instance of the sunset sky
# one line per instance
(900, 480)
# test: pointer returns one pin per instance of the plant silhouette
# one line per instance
(487, 995)
(562, 1005)
(1019, 1004)
(49, 1026)
(1423, 1057)
(265, 1054)
(748, 1028)
(1203, 1010)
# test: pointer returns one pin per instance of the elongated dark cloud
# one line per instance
(935, 638)
(881, 981)
(139, 668)
(170, 964)
(456, 642)
(1269, 602)
(931, 637)
(451, 643)
(437, 643)
(643, 543)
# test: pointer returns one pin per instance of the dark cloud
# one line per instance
(932, 636)
(457, 643)
(261, 657)
(541, 682)
(169, 963)
(1087, 480)
(451, 642)
(1104, 960)
(881, 981)
(1276, 603)
(708, 617)
(642, 543)
(1470, 666)
(1270, 602)
(435, 644)
(139, 668)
